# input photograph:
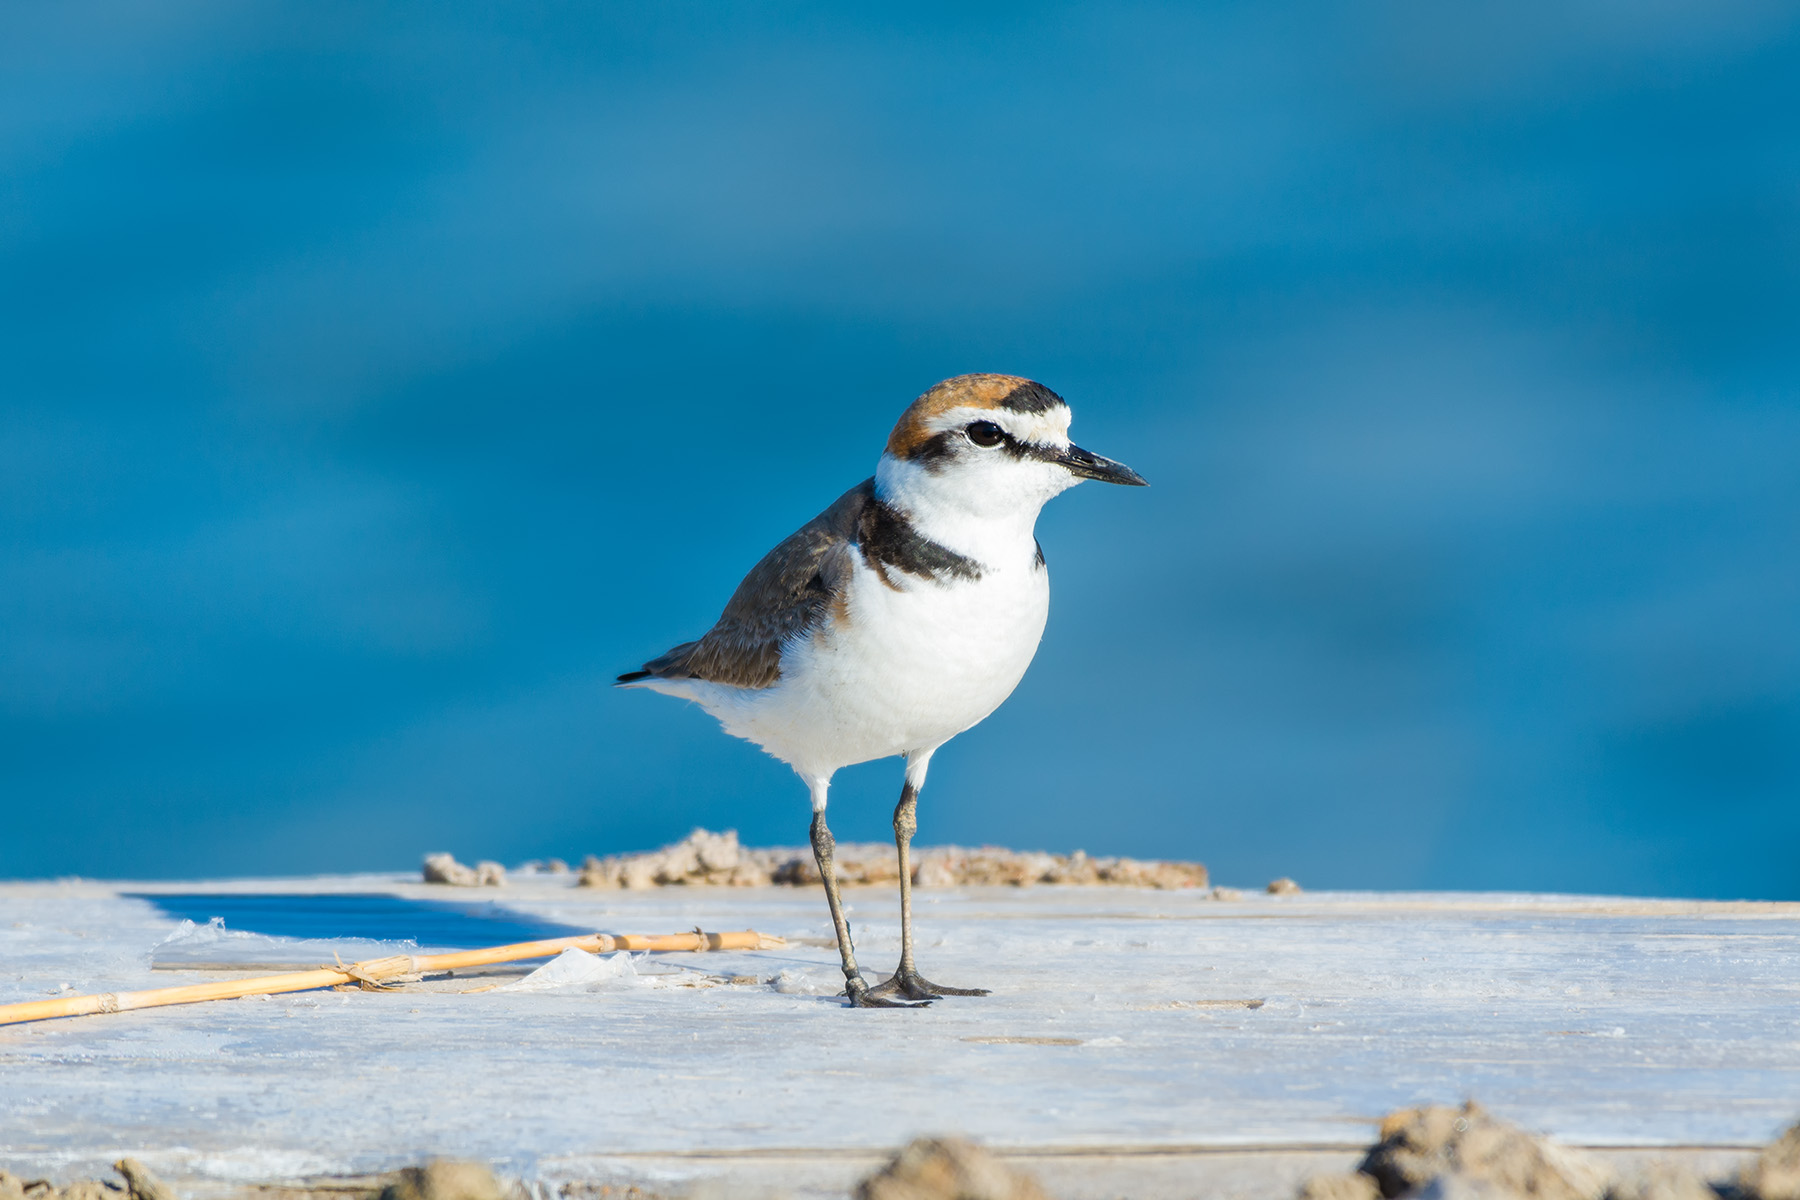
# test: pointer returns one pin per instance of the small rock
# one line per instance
(948, 1169)
(1349, 1185)
(1227, 894)
(700, 857)
(1283, 887)
(444, 1180)
(1420, 1144)
(1132, 872)
(557, 866)
(1775, 1175)
(443, 868)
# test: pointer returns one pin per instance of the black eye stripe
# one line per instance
(1004, 439)
(942, 448)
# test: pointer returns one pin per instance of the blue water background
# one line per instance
(376, 381)
(371, 916)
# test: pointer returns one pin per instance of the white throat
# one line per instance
(986, 509)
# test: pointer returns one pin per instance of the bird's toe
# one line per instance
(914, 986)
(865, 996)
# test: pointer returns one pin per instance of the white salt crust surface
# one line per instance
(1120, 1030)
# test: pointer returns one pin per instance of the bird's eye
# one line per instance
(986, 433)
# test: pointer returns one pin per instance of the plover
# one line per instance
(897, 618)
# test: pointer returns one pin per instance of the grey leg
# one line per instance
(907, 981)
(824, 848)
(906, 823)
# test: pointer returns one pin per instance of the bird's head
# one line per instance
(990, 446)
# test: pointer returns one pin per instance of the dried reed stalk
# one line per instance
(376, 973)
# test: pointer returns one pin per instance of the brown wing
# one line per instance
(783, 595)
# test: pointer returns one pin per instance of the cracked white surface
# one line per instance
(1121, 1019)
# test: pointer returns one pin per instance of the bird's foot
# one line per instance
(863, 996)
(915, 986)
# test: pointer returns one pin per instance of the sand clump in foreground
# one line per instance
(442, 1179)
(1775, 1175)
(948, 1169)
(1433, 1153)
(704, 857)
(139, 1184)
(1440, 1153)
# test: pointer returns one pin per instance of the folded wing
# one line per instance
(786, 594)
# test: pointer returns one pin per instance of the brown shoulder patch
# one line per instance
(964, 391)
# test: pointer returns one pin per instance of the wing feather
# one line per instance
(784, 595)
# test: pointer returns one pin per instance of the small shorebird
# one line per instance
(898, 617)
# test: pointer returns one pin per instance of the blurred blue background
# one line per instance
(378, 380)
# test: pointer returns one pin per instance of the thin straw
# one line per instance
(375, 972)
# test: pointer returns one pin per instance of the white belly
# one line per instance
(909, 669)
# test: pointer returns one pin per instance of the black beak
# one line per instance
(1091, 466)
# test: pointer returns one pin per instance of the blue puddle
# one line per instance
(445, 924)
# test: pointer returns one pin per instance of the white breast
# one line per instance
(906, 668)
(906, 664)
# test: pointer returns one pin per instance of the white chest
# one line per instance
(954, 651)
(906, 665)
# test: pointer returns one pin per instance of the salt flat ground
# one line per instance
(1137, 1042)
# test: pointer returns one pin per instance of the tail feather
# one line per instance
(633, 676)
